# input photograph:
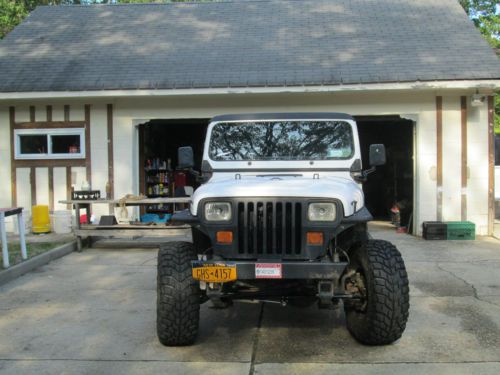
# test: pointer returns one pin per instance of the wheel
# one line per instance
(377, 273)
(178, 297)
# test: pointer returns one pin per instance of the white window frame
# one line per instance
(49, 133)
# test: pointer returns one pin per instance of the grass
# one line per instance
(33, 249)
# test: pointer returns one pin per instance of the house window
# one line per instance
(50, 143)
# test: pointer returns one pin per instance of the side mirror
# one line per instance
(185, 157)
(377, 155)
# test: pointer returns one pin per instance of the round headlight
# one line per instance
(322, 212)
(218, 211)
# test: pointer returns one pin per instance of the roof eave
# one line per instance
(486, 85)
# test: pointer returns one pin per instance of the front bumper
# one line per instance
(246, 270)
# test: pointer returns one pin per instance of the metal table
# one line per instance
(5, 212)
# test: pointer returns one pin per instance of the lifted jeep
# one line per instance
(281, 218)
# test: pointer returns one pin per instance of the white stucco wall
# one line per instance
(418, 105)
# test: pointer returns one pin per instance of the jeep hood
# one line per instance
(343, 189)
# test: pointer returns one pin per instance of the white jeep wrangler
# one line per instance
(281, 218)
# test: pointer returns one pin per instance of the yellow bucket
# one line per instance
(40, 219)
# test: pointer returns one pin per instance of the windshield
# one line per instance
(281, 140)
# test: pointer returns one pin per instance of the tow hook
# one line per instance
(326, 291)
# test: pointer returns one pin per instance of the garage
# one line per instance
(125, 106)
(159, 176)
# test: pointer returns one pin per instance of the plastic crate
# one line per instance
(435, 230)
(461, 230)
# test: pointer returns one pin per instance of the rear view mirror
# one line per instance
(377, 155)
(185, 157)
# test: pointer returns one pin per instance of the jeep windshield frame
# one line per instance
(281, 140)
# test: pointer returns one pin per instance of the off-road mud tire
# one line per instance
(178, 297)
(383, 321)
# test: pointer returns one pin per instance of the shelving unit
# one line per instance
(158, 181)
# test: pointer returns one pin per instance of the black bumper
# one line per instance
(289, 270)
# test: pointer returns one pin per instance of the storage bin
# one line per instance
(61, 222)
(40, 219)
(434, 230)
(461, 230)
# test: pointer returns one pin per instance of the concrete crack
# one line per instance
(256, 340)
(470, 285)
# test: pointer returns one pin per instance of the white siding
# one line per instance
(42, 186)
(59, 187)
(5, 186)
(99, 153)
(23, 188)
(452, 159)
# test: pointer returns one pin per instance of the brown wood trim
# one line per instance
(51, 188)
(49, 113)
(32, 113)
(49, 125)
(491, 165)
(33, 185)
(68, 186)
(13, 172)
(49, 163)
(88, 159)
(66, 112)
(439, 166)
(110, 151)
(463, 115)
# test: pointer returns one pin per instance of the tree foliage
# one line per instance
(12, 12)
(486, 17)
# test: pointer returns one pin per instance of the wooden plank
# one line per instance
(439, 166)
(129, 202)
(68, 187)
(88, 160)
(49, 163)
(133, 227)
(463, 115)
(50, 125)
(49, 113)
(51, 188)
(131, 232)
(66, 112)
(33, 185)
(32, 113)
(13, 175)
(491, 165)
(110, 151)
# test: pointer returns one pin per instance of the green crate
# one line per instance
(461, 230)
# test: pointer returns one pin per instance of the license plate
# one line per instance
(214, 273)
(268, 271)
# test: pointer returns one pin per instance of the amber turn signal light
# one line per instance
(225, 237)
(315, 238)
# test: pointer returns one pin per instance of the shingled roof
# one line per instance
(243, 44)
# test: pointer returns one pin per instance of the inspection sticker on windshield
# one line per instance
(268, 271)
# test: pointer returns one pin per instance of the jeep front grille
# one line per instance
(268, 227)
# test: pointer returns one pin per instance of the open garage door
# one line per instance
(389, 191)
(159, 176)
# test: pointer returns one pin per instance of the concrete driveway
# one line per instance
(94, 313)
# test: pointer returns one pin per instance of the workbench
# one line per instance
(134, 231)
